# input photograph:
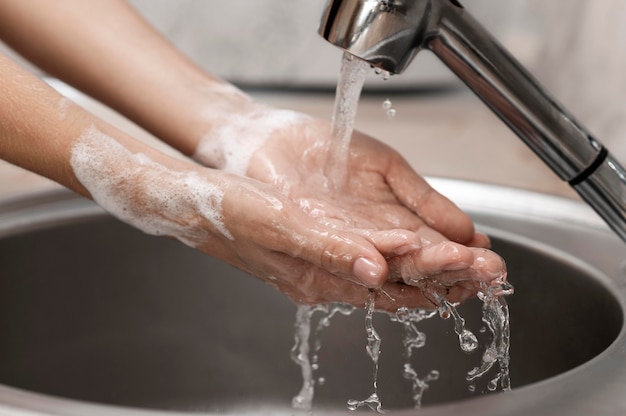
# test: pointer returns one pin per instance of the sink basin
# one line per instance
(97, 318)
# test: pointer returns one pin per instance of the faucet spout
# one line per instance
(389, 33)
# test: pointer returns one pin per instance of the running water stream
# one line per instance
(495, 309)
(351, 80)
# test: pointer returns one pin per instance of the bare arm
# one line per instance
(104, 48)
(37, 126)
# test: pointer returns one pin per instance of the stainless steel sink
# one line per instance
(97, 318)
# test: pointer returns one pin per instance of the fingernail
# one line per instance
(483, 265)
(453, 267)
(368, 272)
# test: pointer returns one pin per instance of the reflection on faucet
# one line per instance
(388, 34)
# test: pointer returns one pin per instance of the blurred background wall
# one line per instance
(275, 42)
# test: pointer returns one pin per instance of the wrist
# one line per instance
(236, 132)
(156, 193)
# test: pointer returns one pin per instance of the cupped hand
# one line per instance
(314, 259)
(425, 240)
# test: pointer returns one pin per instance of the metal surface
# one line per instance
(388, 34)
(96, 315)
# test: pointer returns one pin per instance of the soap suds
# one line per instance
(144, 193)
(231, 146)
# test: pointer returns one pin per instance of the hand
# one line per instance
(425, 239)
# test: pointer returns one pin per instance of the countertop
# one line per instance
(447, 134)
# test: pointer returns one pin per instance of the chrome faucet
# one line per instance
(389, 33)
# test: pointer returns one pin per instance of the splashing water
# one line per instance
(467, 340)
(496, 317)
(300, 355)
(373, 350)
(351, 80)
(301, 351)
(420, 385)
(413, 339)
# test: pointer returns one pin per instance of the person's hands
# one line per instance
(243, 221)
(425, 239)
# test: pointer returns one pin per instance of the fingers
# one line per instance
(397, 295)
(390, 297)
(340, 253)
(437, 211)
(321, 265)
(396, 261)
(479, 240)
(270, 222)
(448, 263)
(413, 257)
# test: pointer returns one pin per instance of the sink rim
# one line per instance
(561, 394)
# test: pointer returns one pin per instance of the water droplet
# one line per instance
(387, 104)
(493, 384)
(403, 314)
(502, 289)
(391, 113)
(352, 404)
(444, 314)
(373, 402)
(298, 402)
(468, 341)
(321, 381)
(490, 355)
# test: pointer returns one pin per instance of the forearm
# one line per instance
(36, 132)
(39, 128)
(44, 132)
(104, 48)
